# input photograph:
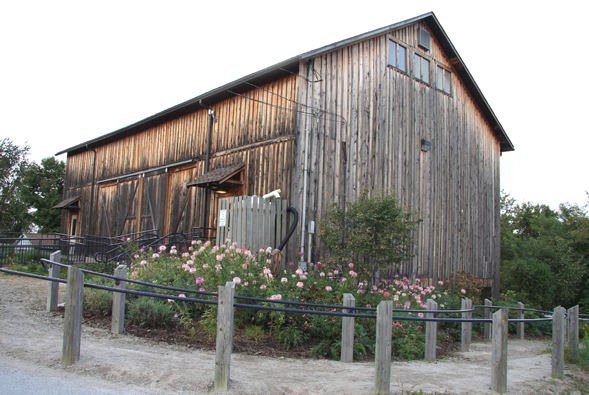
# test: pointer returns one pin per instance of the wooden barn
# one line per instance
(394, 108)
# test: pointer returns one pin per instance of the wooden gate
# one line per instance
(252, 222)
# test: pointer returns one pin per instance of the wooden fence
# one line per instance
(565, 330)
(252, 222)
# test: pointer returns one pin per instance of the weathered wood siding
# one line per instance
(132, 194)
(366, 133)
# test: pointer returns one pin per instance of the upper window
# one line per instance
(397, 56)
(444, 80)
(420, 68)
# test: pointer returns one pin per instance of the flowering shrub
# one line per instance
(205, 267)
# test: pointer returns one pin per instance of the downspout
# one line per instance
(91, 188)
(207, 165)
(303, 263)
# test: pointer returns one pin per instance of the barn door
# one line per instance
(107, 202)
(127, 206)
(180, 201)
(153, 201)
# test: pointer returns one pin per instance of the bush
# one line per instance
(374, 232)
(204, 267)
(98, 302)
(150, 313)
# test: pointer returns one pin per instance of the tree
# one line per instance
(42, 188)
(375, 233)
(13, 211)
(544, 252)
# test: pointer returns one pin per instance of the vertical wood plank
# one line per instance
(520, 325)
(499, 351)
(224, 336)
(431, 333)
(347, 354)
(558, 328)
(466, 326)
(382, 355)
(573, 332)
(53, 286)
(118, 302)
(488, 325)
(72, 324)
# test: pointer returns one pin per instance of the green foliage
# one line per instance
(290, 336)
(374, 232)
(203, 267)
(98, 302)
(255, 333)
(13, 211)
(150, 313)
(545, 253)
(41, 189)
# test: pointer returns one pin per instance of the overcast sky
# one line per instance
(71, 71)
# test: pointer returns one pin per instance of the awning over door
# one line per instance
(221, 179)
(68, 204)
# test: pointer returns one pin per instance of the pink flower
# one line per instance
(181, 296)
(300, 284)
(351, 265)
(220, 257)
(441, 282)
(205, 266)
(386, 294)
(290, 263)
(353, 273)
(301, 253)
(201, 289)
(134, 273)
(200, 280)
(328, 288)
(360, 291)
(318, 265)
(193, 242)
(299, 271)
(176, 315)
(407, 304)
(322, 274)
(267, 271)
(463, 291)
(283, 279)
(420, 314)
(262, 286)
(162, 248)
(237, 280)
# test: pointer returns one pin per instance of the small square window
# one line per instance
(421, 68)
(443, 80)
(397, 56)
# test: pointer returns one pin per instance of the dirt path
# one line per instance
(31, 339)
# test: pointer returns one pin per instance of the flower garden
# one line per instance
(203, 267)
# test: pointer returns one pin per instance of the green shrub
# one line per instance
(375, 232)
(150, 313)
(204, 267)
(98, 302)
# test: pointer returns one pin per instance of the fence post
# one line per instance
(574, 331)
(348, 330)
(499, 352)
(382, 354)
(224, 336)
(466, 326)
(72, 326)
(118, 302)
(488, 325)
(520, 316)
(558, 328)
(431, 332)
(53, 286)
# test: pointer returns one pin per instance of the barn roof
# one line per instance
(290, 66)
